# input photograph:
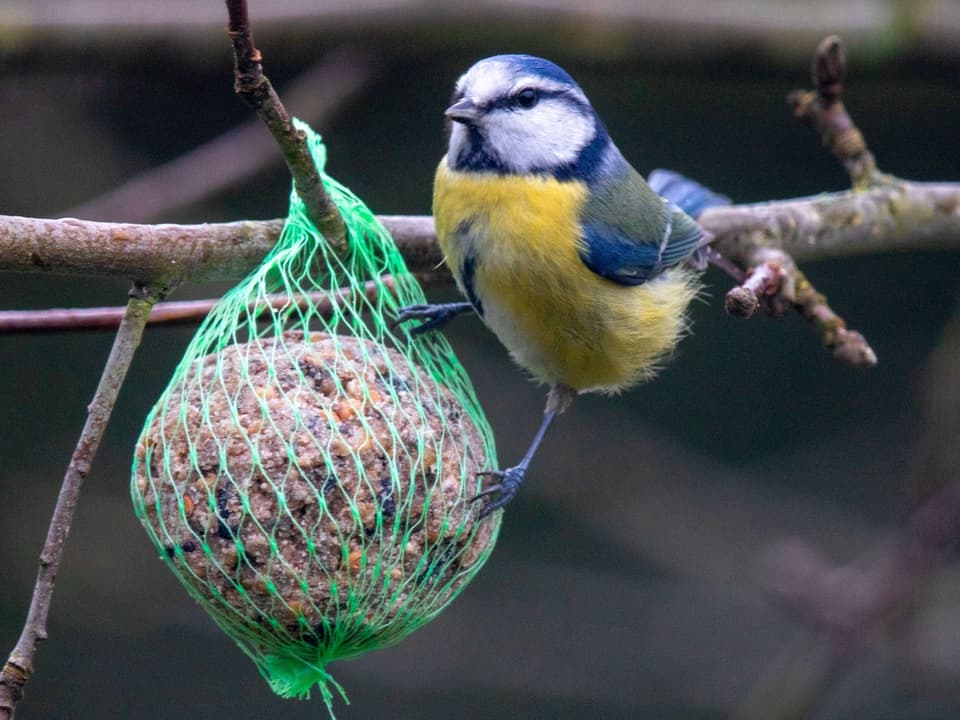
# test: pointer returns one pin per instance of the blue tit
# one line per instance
(580, 267)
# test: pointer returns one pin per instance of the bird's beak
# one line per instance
(463, 111)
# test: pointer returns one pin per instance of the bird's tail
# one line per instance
(689, 195)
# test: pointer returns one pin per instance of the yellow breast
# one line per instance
(518, 238)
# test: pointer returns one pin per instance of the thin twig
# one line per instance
(181, 312)
(848, 346)
(235, 155)
(823, 109)
(762, 280)
(19, 667)
(253, 86)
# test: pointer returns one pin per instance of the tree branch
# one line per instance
(901, 216)
(254, 87)
(182, 312)
(764, 240)
(908, 216)
(197, 253)
(18, 668)
(894, 216)
(822, 108)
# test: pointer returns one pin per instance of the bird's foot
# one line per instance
(501, 492)
(433, 315)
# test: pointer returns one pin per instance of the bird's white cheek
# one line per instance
(540, 139)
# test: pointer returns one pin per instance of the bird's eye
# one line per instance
(527, 98)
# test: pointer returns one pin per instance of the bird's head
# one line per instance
(519, 114)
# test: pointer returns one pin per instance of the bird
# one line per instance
(581, 268)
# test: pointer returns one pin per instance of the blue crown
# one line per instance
(536, 65)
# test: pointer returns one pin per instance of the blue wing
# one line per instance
(688, 195)
(633, 231)
(629, 260)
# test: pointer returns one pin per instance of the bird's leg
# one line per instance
(712, 257)
(508, 481)
(433, 315)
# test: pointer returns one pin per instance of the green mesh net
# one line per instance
(307, 473)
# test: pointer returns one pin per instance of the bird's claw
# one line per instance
(433, 315)
(502, 492)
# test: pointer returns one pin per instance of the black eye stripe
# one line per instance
(509, 102)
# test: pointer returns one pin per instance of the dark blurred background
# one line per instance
(628, 580)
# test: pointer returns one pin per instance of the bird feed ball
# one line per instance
(313, 494)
